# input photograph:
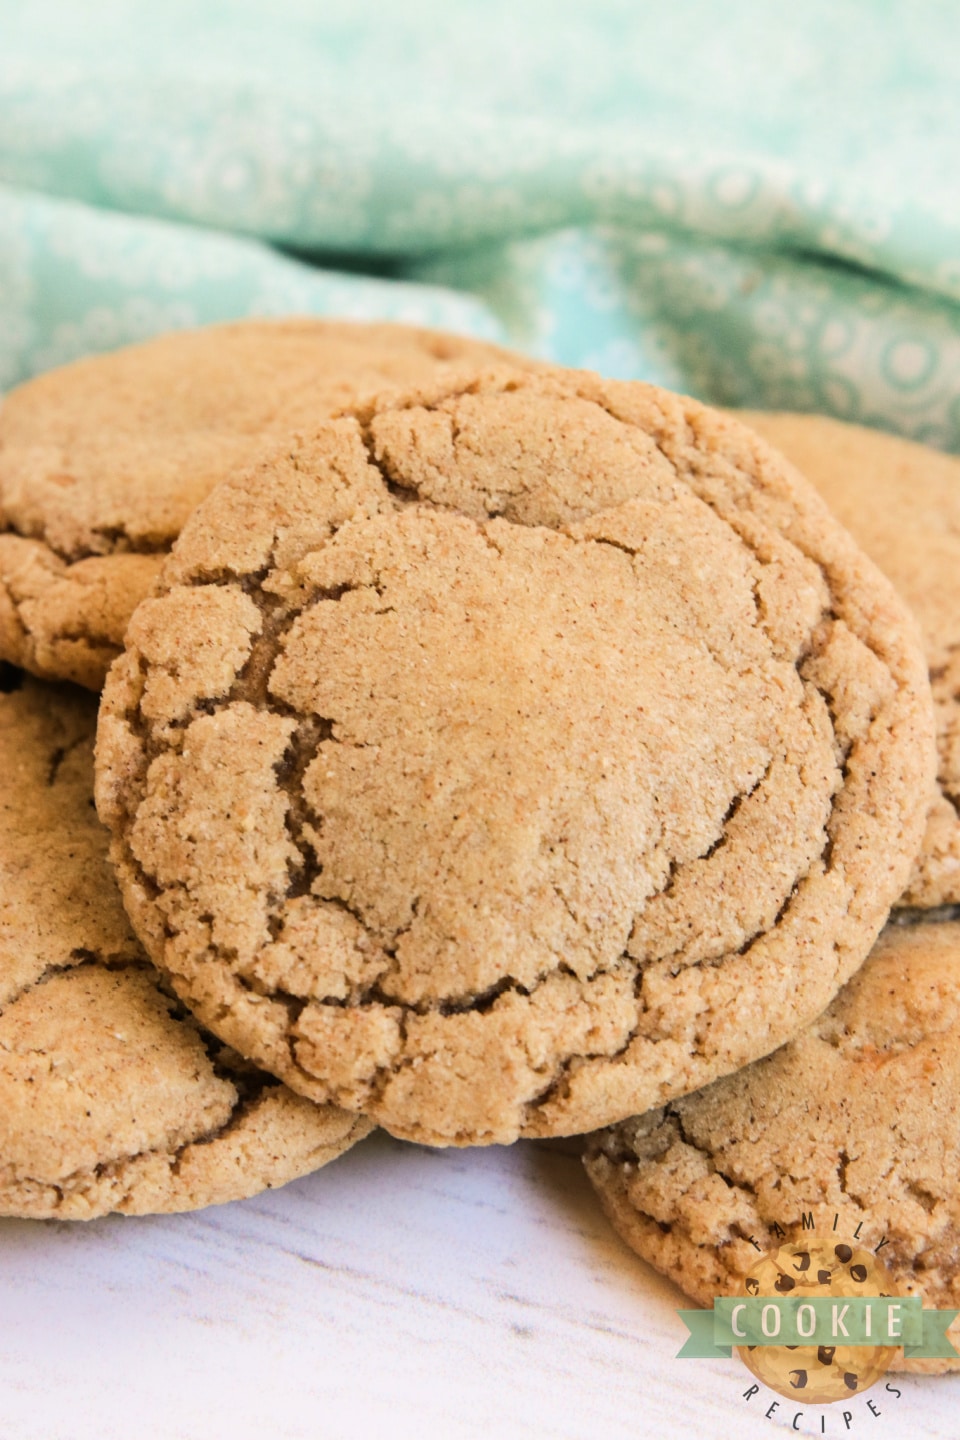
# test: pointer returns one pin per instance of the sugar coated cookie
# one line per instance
(515, 755)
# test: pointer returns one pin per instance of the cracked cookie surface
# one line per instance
(111, 1096)
(855, 1118)
(514, 755)
(901, 502)
(102, 461)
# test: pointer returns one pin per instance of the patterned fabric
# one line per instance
(754, 203)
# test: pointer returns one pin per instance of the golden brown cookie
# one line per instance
(857, 1118)
(515, 755)
(101, 461)
(111, 1096)
(901, 502)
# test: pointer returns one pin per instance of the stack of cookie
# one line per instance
(498, 752)
(112, 1097)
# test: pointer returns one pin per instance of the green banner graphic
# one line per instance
(859, 1320)
(818, 1320)
(935, 1344)
(700, 1344)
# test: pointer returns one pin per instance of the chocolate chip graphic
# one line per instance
(798, 1379)
(825, 1354)
(843, 1252)
(802, 1262)
(823, 1277)
(859, 1272)
(783, 1284)
(850, 1381)
(753, 1285)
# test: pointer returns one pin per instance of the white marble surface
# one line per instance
(399, 1293)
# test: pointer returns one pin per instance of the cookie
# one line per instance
(810, 1269)
(111, 1096)
(514, 754)
(858, 1118)
(901, 502)
(101, 461)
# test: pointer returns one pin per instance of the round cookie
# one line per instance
(513, 756)
(111, 1096)
(857, 1118)
(809, 1268)
(901, 502)
(102, 461)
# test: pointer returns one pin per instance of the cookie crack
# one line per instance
(112, 540)
(110, 1170)
(692, 1143)
(301, 751)
(226, 1063)
(925, 1198)
(77, 959)
(690, 476)
(59, 756)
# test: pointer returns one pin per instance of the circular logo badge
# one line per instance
(818, 1374)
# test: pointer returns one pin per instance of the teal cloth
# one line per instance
(751, 202)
